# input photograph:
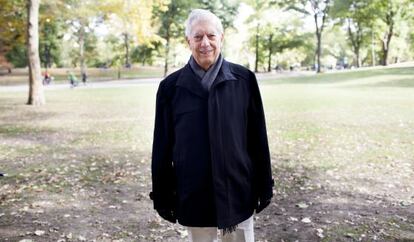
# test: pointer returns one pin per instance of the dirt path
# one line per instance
(113, 205)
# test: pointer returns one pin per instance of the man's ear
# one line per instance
(187, 39)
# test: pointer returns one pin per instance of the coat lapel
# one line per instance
(224, 75)
(191, 82)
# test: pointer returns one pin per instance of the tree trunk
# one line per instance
(82, 49)
(126, 42)
(318, 33)
(36, 93)
(269, 62)
(387, 40)
(256, 64)
(318, 51)
(385, 47)
(167, 53)
(358, 58)
(372, 48)
(356, 39)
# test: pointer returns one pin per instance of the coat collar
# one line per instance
(189, 80)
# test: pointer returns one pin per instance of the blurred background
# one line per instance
(125, 38)
(336, 78)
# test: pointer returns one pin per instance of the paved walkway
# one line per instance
(135, 82)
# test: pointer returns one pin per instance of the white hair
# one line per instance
(202, 15)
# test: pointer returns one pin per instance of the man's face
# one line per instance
(205, 43)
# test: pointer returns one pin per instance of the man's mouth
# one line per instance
(205, 52)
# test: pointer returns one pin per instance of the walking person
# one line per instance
(73, 81)
(84, 78)
(210, 161)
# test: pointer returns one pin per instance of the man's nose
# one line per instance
(205, 41)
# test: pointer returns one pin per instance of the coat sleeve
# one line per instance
(163, 177)
(258, 147)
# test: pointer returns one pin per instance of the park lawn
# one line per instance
(342, 148)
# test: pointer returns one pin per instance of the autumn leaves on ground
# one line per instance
(342, 145)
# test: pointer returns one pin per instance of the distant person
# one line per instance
(278, 68)
(84, 78)
(47, 78)
(210, 160)
(73, 81)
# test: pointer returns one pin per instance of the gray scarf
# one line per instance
(207, 77)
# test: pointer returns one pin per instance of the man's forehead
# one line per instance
(203, 26)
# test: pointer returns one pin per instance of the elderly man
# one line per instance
(210, 162)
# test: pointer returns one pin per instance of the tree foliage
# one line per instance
(358, 18)
(390, 12)
(13, 17)
(170, 17)
(319, 10)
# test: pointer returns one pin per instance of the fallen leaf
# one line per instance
(319, 233)
(293, 219)
(302, 205)
(39, 232)
(306, 220)
(182, 233)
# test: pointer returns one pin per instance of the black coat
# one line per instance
(210, 160)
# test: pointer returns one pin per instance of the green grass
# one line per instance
(401, 76)
(329, 125)
(355, 129)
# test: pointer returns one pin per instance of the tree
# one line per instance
(279, 39)
(276, 39)
(225, 10)
(145, 53)
(88, 56)
(319, 10)
(51, 33)
(36, 94)
(81, 17)
(171, 17)
(13, 21)
(130, 21)
(358, 17)
(259, 6)
(17, 54)
(390, 12)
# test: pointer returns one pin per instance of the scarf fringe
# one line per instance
(229, 230)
